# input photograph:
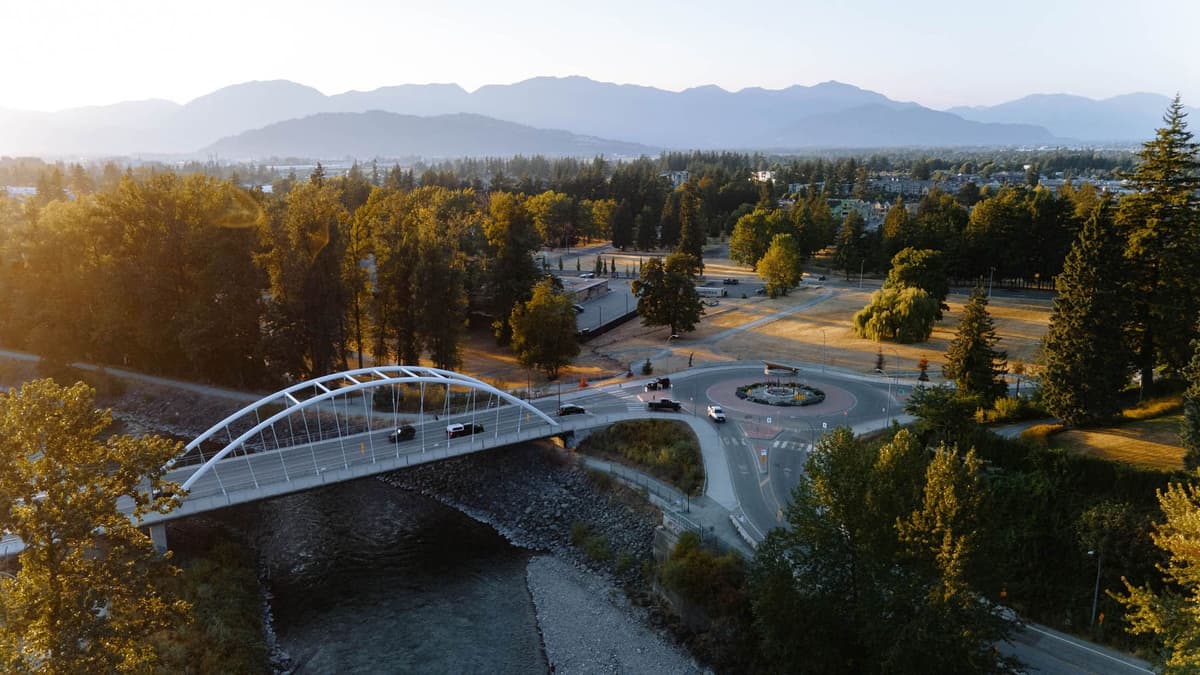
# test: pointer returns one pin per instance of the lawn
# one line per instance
(1152, 443)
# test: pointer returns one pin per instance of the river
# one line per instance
(368, 578)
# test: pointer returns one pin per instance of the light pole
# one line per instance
(991, 271)
(861, 266)
(673, 337)
(1099, 554)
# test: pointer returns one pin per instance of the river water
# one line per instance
(368, 578)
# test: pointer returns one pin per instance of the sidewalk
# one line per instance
(699, 514)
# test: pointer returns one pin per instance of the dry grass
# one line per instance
(1039, 434)
(820, 333)
(1152, 443)
(1155, 407)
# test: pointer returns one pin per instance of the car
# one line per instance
(821, 277)
(761, 291)
(729, 281)
(712, 303)
(578, 309)
(588, 275)
(715, 413)
(405, 432)
(658, 383)
(664, 404)
(570, 409)
(456, 430)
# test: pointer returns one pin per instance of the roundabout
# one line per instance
(774, 393)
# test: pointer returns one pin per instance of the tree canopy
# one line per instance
(87, 596)
(666, 292)
(973, 362)
(544, 330)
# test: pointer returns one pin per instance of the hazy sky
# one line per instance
(60, 53)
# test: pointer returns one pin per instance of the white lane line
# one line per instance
(1089, 649)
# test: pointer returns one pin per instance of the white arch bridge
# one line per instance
(338, 428)
(344, 426)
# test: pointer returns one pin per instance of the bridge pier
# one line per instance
(158, 535)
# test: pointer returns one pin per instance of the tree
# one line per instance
(544, 330)
(868, 577)
(924, 269)
(944, 415)
(666, 293)
(780, 265)
(86, 598)
(510, 269)
(552, 213)
(753, 233)
(1189, 433)
(973, 362)
(904, 314)
(693, 226)
(1162, 225)
(1170, 615)
(1085, 360)
(898, 230)
(851, 247)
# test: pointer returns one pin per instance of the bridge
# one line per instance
(337, 428)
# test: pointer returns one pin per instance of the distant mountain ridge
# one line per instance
(830, 114)
(1129, 117)
(384, 134)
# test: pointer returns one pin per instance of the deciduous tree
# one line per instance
(87, 597)
(666, 292)
(544, 330)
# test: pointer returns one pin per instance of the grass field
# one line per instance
(1152, 443)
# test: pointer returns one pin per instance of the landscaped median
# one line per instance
(666, 449)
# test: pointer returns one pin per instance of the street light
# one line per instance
(991, 271)
(1099, 555)
(824, 352)
(673, 337)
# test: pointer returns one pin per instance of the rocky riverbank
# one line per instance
(594, 607)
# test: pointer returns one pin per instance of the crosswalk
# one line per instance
(729, 441)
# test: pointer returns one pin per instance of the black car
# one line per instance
(729, 281)
(406, 432)
(578, 309)
(664, 404)
(570, 409)
(658, 383)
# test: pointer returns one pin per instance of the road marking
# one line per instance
(1089, 649)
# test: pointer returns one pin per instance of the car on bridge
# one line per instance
(456, 430)
(729, 281)
(664, 404)
(570, 409)
(406, 432)
(715, 413)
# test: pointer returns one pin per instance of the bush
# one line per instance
(647, 368)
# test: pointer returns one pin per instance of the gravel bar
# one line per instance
(588, 626)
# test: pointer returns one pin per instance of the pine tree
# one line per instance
(666, 293)
(1162, 223)
(973, 362)
(1190, 431)
(1085, 357)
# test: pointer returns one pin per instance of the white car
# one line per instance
(715, 413)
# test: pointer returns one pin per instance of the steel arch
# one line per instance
(346, 382)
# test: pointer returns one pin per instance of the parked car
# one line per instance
(456, 430)
(715, 413)
(729, 281)
(578, 309)
(664, 404)
(588, 275)
(761, 291)
(570, 409)
(406, 432)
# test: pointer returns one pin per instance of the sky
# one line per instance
(57, 54)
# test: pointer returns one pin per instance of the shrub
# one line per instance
(667, 449)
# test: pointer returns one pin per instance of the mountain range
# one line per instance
(556, 116)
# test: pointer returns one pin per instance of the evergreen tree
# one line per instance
(693, 228)
(666, 292)
(669, 229)
(1085, 357)
(850, 253)
(646, 227)
(1190, 431)
(1162, 225)
(897, 228)
(973, 362)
